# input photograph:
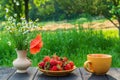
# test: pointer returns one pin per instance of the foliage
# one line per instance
(14, 8)
(47, 9)
(110, 9)
(39, 2)
(58, 9)
(2, 11)
(17, 8)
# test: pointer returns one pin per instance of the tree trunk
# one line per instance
(26, 10)
(119, 31)
(119, 26)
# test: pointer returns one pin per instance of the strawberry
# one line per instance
(60, 63)
(46, 59)
(56, 63)
(67, 67)
(54, 68)
(59, 67)
(47, 66)
(71, 63)
(41, 65)
(55, 57)
(53, 62)
(65, 59)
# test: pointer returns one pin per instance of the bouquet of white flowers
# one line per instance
(20, 32)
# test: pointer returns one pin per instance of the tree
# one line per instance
(14, 8)
(2, 11)
(26, 10)
(17, 8)
(110, 9)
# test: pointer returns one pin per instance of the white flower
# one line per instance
(0, 6)
(15, 15)
(6, 10)
(19, 31)
(5, 17)
(9, 43)
(27, 31)
(10, 18)
(14, 1)
(22, 18)
(17, 3)
(37, 20)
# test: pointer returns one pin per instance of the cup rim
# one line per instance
(100, 54)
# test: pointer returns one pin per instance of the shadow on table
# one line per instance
(70, 76)
(45, 77)
(110, 77)
(101, 77)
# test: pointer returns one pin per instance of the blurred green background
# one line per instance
(74, 43)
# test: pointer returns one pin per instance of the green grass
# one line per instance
(79, 20)
(86, 19)
(74, 44)
(111, 33)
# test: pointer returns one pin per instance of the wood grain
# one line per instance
(41, 76)
(113, 74)
(78, 74)
(5, 73)
(24, 76)
(89, 76)
(75, 75)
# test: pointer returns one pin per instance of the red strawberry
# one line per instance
(55, 57)
(67, 67)
(59, 63)
(65, 59)
(46, 59)
(71, 63)
(59, 67)
(54, 68)
(53, 62)
(56, 63)
(41, 64)
(47, 66)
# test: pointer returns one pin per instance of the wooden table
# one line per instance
(78, 74)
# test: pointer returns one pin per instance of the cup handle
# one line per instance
(87, 67)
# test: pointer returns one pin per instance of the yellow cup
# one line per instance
(98, 64)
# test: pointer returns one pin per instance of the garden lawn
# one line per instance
(74, 44)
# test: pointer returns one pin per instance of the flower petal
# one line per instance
(35, 41)
(36, 44)
(40, 44)
(35, 50)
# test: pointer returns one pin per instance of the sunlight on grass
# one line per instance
(111, 33)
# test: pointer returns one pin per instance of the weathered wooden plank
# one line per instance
(78, 74)
(75, 75)
(41, 76)
(24, 76)
(113, 74)
(88, 76)
(5, 73)
(118, 70)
